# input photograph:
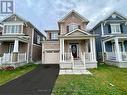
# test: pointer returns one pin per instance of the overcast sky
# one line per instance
(44, 14)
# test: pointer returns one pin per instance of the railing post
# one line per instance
(72, 61)
(84, 60)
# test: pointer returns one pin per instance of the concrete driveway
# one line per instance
(40, 81)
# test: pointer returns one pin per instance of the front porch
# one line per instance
(13, 52)
(115, 51)
(77, 53)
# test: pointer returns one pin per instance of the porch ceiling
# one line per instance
(12, 38)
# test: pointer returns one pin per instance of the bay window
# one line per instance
(12, 29)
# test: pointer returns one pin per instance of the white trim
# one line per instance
(28, 46)
(102, 29)
(37, 45)
(118, 55)
(32, 44)
(60, 50)
(12, 24)
(79, 31)
(116, 25)
(16, 46)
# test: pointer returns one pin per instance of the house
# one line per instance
(20, 41)
(71, 46)
(111, 42)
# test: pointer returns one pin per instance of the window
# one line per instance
(115, 28)
(73, 26)
(54, 35)
(12, 29)
(38, 39)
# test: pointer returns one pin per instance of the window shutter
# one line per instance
(121, 28)
(67, 29)
(50, 36)
(109, 28)
(79, 27)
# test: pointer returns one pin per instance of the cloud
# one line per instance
(45, 13)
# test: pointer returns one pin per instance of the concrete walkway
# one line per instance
(37, 82)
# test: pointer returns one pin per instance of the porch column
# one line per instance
(94, 50)
(91, 48)
(16, 46)
(118, 55)
(61, 50)
(103, 50)
(15, 51)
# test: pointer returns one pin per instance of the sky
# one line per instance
(45, 14)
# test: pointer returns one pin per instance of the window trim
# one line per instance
(38, 39)
(116, 32)
(73, 28)
(11, 24)
(53, 38)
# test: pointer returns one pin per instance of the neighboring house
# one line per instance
(111, 42)
(20, 41)
(72, 46)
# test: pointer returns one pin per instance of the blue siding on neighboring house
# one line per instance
(98, 39)
(124, 28)
(108, 46)
(106, 30)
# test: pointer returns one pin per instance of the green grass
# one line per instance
(6, 76)
(96, 84)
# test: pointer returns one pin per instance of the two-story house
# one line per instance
(20, 41)
(72, 46)
(111, 40)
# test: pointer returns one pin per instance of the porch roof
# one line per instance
(12, 38)
(77, 34)
(120, 36)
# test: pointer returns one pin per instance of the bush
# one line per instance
(8, 68)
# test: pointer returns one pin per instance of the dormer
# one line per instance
(72, 21)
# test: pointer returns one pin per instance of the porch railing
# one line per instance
(83, 58)
(72, 60)
(124, 56)
(110, 56)
(21, 57)
(7, 58)
(67, 57)
(88, 57)
(113, 57)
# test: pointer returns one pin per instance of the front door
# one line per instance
(74, 50)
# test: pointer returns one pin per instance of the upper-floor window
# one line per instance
(12, 29)
(72, 27)
(38, 39)
(115, 28)
(54, 35)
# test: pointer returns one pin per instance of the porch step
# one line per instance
(78, 65)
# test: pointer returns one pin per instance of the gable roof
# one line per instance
(105, 18)
(77, 32)
(17, 18)
(117, 14)
(76, 14)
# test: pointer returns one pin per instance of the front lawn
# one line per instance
(6, 76)
(106, 80)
